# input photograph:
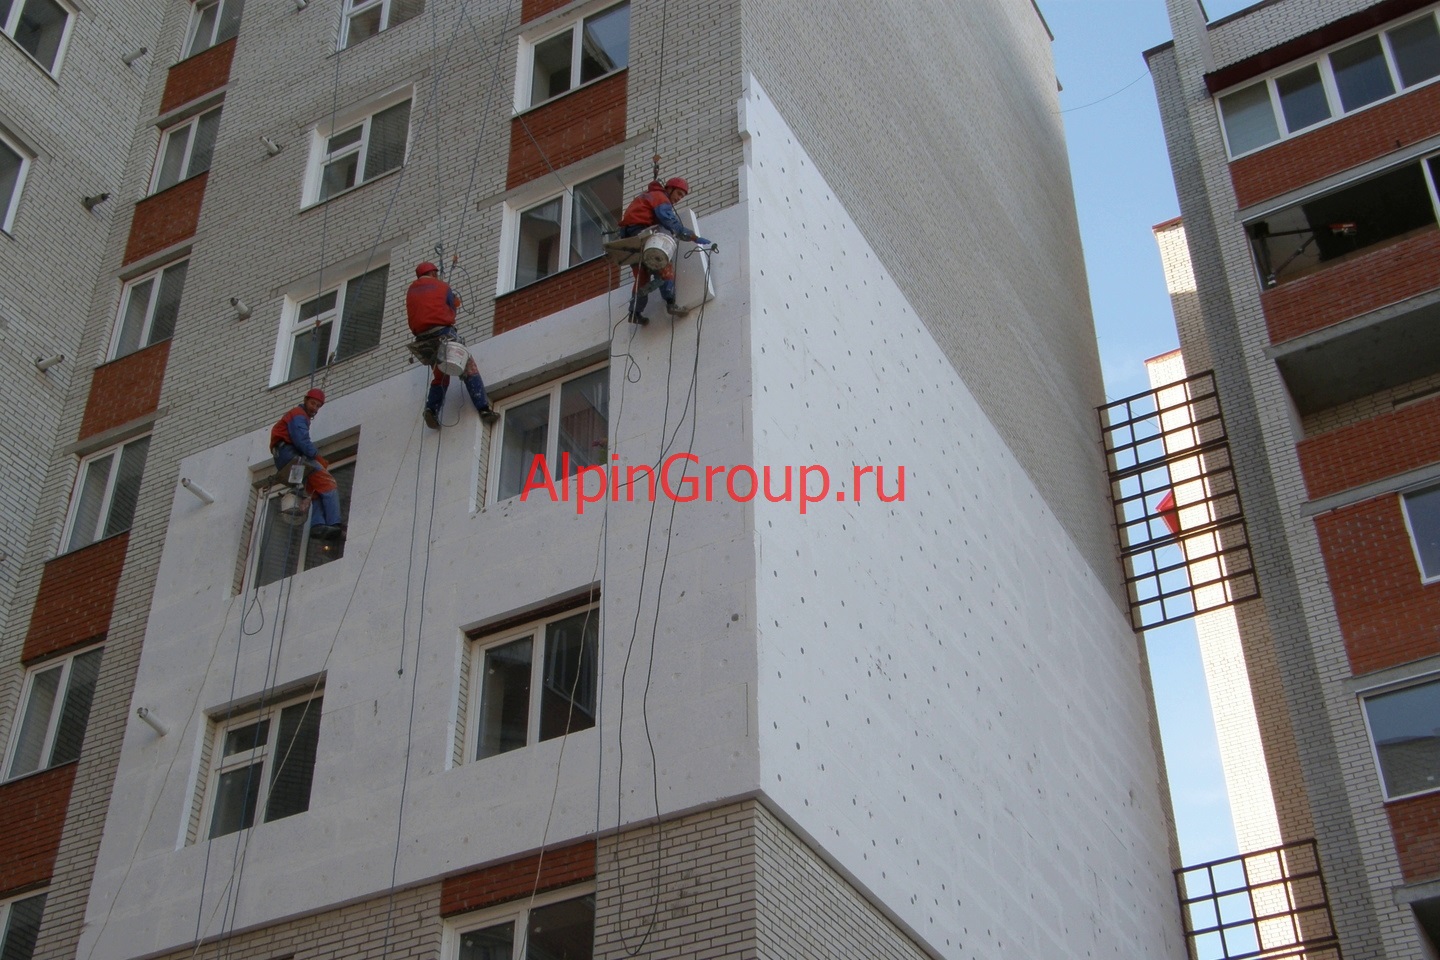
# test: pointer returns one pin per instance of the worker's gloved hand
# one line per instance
(702, 242)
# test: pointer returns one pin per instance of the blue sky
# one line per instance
(1123, 187)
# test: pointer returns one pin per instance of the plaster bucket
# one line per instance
(659, 251)
(453, 358)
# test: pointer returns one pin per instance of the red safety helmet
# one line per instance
(426, 267)
(315, 393)
(677, 183)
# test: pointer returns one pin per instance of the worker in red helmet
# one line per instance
(290, 438)
(430, 307)
(655, 209)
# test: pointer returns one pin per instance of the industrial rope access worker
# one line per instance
(290, 438)
(430, 307)
(656, 208)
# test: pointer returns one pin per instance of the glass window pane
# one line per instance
(132, 323)
(551, 74)
(1406, 728)
(75, 715)
(244, 739)
(584, 420)
(1361, 75)
(389, 130)
(597, 208)
(339, 175)
(310, 350)
(364, 312)
(526, 430)
(10, 163)
(402, 10)
(1423, 511)
(293, 760)
(1249, 120)
(204, 29)
(504, 698)
(173, 157)
(167, 303)
(92, 499)
(1416, 46)
(492, 943)
(236, 793)
(23, 928)
(230, 13)
(363, 26)
(344, 139)
(39, 30)
(567, 702)
(204, 147)
(30, 744)
(1302, 98)
(539, 250)
(127, 486)
(281, 539)
(605, 43)
(565, 929)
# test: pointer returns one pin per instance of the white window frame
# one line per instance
(552, 434)
(6, 905)
(267, 494)
(12, 203)
(1410, 530)
(535, 629)
(540, 193)
(148, 324)
(291, 326)
(186, 128)
(264, 754)
(12, 22)
(516, 912)
(191, 32)
(66, 664)
(355, 8)
(525, 73)
(320, 134)
(107, 500)
(1420, 680)
(1327, 78)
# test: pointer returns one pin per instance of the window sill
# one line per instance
(548, 277)
(317, 204)
(126, 356)
(174, 186)
(1411, 796)
(520, 112)
(322, 372)
(89, 546)
(38, 773)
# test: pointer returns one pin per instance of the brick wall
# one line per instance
(32, 813)
(576, 126)
(124, 389)
(564, 289)
(534, 9)
(165, 218)
(1379, 276)
(1416, 825)
(1387, 616)
(198, 75)
(1372, 449)
(1338, 146)
(77, 594)
(517, 878)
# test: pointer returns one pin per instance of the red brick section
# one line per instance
(564, 289)
(1337, 146)
(1371, 449)
(165, 218)
(1416, 825)
(32, 815)
(1382, 275)
(509, 881)
(124, 389)
(198, 75)
(77, 594)
(534, 9)
(576, 126)
(1387, 616)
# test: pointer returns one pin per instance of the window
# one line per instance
(263, 761)
(185, 150)
(567, 424)
(1349, 78)
(39, 27)
(584, 50)
(1422, 517)
(106, 493)
(1405, 729)
(148, 307)
(283, 546)
(567, 230)
(54, 711)
(14, 164)
(20, 925)
(554, 925)
(212, 23)
(358, 151)
(1297, 240)
(365, 18)
(332, 327)
(555, 656)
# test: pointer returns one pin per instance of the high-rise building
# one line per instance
(1302, 136)
(887, 708)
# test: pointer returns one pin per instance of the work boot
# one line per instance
(674, 309)
(432, 419)
(489, 415)
(325, 531)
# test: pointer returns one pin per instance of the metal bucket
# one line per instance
(659, 251)
(453, 358)
(294, 507)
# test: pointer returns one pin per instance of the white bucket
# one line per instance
(294, 507)
(659, 251)
(453, 358)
